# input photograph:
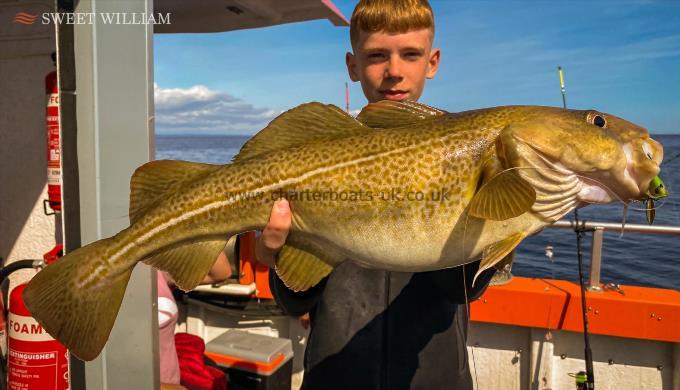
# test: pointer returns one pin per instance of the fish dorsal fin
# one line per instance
(153, 180)
(188, 264)
(386, 114)
(303, 124)
(505, 196)
(496, 252)
(300, 270)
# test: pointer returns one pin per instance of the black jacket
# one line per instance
(374, 329)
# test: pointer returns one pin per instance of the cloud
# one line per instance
(199, 109)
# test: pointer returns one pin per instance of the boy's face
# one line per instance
(393, 66)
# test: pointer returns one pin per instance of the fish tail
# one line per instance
(76, 299)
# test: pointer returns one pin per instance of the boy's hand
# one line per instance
(274, 234)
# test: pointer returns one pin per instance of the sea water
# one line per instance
(631, 258)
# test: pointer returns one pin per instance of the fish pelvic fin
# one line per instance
(300, 270)
(77, 309)
(387, 114)
(494, 253)
(188, 264)
(307, 123)
(505, 196)
(154, 180)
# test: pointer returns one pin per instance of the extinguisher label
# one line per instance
(53, 144)
(53, 176)
(28, 371)
(26, 329)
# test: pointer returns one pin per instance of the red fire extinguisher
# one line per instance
(34, 360)
(53, 147)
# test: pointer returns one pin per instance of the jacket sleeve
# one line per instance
(450, 282)
(295, 303)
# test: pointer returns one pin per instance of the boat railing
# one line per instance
(598, 229)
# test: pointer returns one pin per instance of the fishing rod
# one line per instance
(580, 231)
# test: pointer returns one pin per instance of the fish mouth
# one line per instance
(607, 187)
(637, 181)
(641, 173)
(594, 191)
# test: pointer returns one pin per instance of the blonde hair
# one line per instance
(393, 16)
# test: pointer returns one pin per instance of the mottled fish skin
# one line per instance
(564, 157)
(442, 154)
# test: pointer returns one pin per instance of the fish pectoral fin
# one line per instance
(494, 253)
(153, 180)
(386, 114)
(300, 270)
(505, 196)
(310, 122)
(189, 263)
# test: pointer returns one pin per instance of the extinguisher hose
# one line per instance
(17, 265)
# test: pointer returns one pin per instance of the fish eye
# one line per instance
(599, 121)
(594, 118)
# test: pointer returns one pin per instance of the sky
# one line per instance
(619, 56)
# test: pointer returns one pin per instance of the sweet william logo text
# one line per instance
(123, 18)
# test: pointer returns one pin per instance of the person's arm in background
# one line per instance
(220, 271)
(267, 248)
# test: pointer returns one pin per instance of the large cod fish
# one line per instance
(403, 187)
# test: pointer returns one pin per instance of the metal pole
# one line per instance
(114, 112)
(596, 259)
(616, 227)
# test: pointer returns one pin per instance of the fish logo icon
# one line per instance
(25, 18)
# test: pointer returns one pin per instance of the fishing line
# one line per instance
(671, 159)
(580, 232)
(467, 303)
(467, 312)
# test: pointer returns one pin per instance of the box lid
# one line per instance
(251, 352)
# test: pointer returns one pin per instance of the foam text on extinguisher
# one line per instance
(27, 329)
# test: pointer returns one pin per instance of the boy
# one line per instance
(374, 329)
